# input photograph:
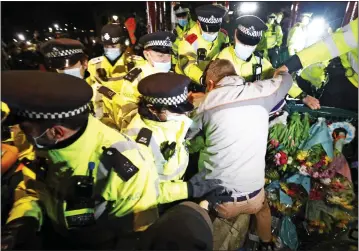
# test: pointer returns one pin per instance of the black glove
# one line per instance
(214, 199)
(198, 186)
(20, 234)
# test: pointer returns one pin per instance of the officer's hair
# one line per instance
(74, 123)
(218, 69)
(145, 112)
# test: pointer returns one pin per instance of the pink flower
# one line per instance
(274, 143)
(315, 175)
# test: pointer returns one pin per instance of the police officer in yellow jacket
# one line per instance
(297, 36)
(205, 40)
(162, 114)
(271, 40)
(157, 51)
(336, 44)
(67, 56)
(116, 62)
(184, 24)
(249, 64)
(92, 182)
(341, 43)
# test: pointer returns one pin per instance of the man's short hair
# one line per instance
(218, 69)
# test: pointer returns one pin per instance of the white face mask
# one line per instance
(244, 51)
(180, 118)
(36, 138)
(209, 37)
(112, 53)
(76, 72)
(159, 66)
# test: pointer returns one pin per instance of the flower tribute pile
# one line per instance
(307, 176)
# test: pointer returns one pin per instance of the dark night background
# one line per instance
(21, 16)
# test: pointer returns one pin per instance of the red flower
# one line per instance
(315, 195)
(291, 192)
(283, 158)
(274, 143)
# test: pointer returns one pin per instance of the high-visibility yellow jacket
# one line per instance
(172, 169)
(336, 44)
(350, 64)
(315, 74)
(180, 32)
(188, 63)
(138, 195)
(245, 69)
(271, 37)
(129, 94)
(296, 40)
(114, 72)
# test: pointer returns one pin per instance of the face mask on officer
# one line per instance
(160, 61)
(35, 140)
(77, 70)
(182, 21)
(112, 52)
(244, 51)
(209, 36)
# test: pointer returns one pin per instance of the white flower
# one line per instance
(326, 181)
(290, 160)
(303, 170)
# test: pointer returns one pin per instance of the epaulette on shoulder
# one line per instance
(191, 38)
(224, 31)
(96, 60)
(107, 92)
(133, 74)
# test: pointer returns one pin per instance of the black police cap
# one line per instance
(113, 34)
(160, 41)
(166, 89)
(62, 52)
(210, 17)
(250, 29)
(39, 95)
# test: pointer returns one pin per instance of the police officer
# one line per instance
(84, 161)
(162, 114)
(184, 23)
(205, 40)
(89, 180)
(157, 51)
(271, 40)
(67, 56)
(339, 43)
(116, 62)
(249, 64)
(297, 35)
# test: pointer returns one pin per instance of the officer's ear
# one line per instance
(59, 132)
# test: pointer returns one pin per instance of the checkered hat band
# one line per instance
(176, 100)
(114, 40)
(55, 115)
(250, 31)
(211, 20)
(164, 43)
(63, 53)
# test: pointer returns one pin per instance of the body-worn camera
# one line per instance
(80, 204)
(201, 54)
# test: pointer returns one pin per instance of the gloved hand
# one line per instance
(214, 199)
(19, 234)
(198, 186)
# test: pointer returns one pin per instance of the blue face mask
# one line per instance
(209, 37)
(76, 72)
(182, 22)
(112, 53)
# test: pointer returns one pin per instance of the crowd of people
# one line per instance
(100, 151)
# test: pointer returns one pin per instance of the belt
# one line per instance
(224, 199)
